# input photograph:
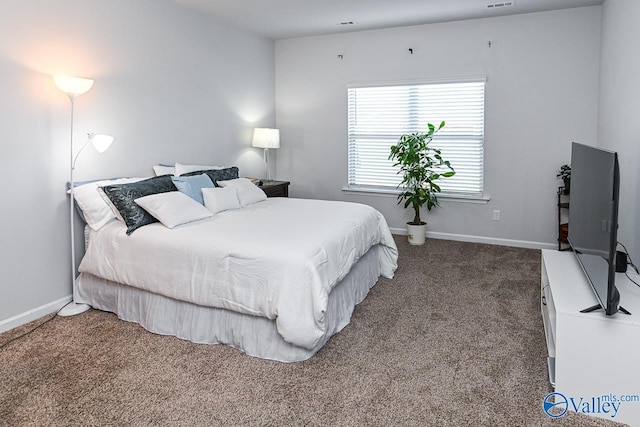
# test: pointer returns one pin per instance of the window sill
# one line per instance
(378, 192)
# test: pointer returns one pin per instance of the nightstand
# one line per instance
(276, 188)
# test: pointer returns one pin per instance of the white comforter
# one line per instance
(278, 259)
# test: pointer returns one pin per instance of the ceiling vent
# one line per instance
(501, 4)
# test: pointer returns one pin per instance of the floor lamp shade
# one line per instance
(101, 142)
(266, 138)
(73, 86)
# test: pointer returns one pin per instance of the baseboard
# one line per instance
(481, 239)
(33, 314)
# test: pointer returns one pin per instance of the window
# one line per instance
(379, 115)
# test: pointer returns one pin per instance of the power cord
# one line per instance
(29, 331)
(632, 281)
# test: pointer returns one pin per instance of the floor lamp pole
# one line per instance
(73, 307)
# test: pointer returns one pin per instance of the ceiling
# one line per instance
(281, 19)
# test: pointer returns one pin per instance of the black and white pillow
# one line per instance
(216, 175)
(123, 198)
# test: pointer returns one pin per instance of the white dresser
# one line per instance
(591, 356)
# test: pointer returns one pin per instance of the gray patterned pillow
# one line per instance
(123, 195)
(217, 174)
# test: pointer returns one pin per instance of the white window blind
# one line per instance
(379, 115)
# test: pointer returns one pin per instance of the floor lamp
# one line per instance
(266, 138)
(74, 86)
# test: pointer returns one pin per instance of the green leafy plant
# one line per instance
(421, 166)
(564, 173)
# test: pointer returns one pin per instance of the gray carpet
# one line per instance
(455, 339)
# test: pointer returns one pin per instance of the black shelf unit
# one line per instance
(563, 226)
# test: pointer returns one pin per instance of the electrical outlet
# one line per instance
(496, 215)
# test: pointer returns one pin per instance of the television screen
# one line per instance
(593, 219)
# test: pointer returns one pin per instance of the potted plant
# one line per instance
(565, 174)
(421, 166)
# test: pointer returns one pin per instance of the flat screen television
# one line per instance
(593, 221)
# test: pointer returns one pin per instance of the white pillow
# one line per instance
(109, 203)
(97, 213)
(182, 169)
(164, 170)
(173, 208)
(248, 192)
(220, 199)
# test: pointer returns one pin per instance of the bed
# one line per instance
(274, 278)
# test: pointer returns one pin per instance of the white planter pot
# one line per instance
(417, 234)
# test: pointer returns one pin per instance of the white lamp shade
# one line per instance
(101, 142)
(266, 138)
(73, 86)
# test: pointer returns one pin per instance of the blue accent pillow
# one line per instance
(123, 195)
(192, 185)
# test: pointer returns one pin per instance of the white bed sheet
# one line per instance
(277, 259)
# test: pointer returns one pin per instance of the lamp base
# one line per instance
(73, 308)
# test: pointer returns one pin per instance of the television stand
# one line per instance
(599, 307)
(591, 356)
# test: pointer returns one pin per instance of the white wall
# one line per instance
(619, 112)
(170, 85)
(542, 92)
